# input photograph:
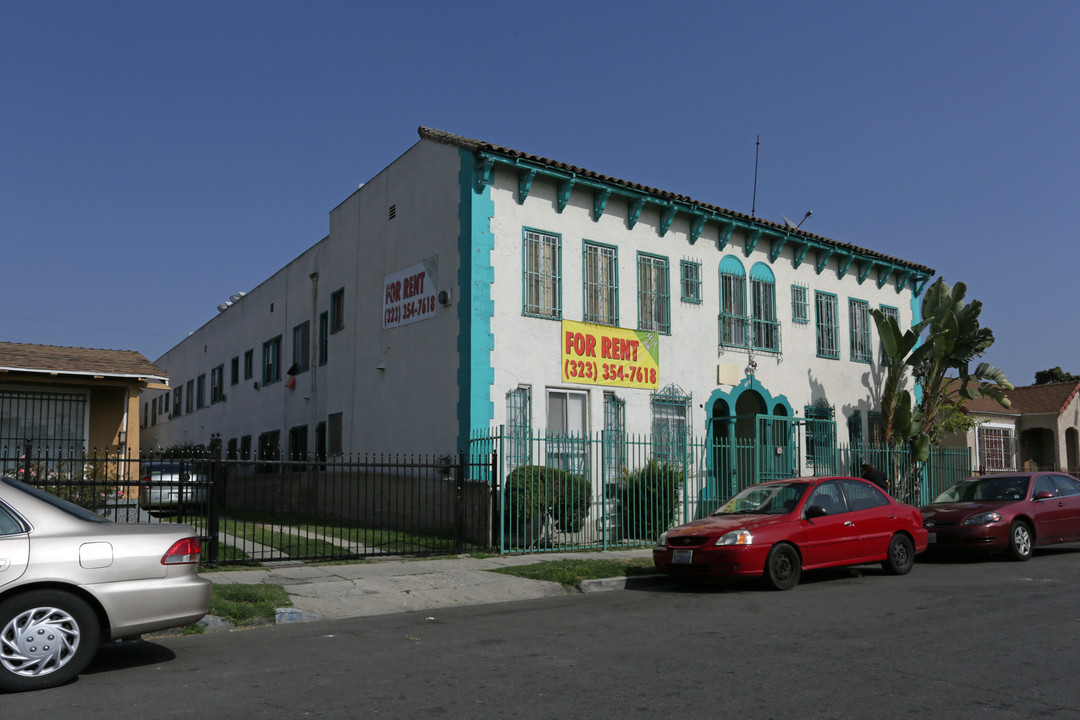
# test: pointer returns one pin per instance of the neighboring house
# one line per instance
(72, 401)
(1040, 431)
(470, 286)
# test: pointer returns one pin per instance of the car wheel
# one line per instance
(901, 555)
(782, 567)
(1020, 541)
(46, 638)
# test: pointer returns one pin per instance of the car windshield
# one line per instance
(1006, 488)
(773, 499)
(70, 508)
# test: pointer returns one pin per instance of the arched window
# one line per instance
(732, 303)
(764, 327)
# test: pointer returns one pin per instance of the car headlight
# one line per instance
(736, 537)
(983, 518)
(662, 542)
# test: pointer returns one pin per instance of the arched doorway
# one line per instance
(747, 427)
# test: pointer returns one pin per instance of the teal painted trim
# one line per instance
(696, 226)
(883, 275)
(843, 264)
(476, 376)
(776, 247)
(633, 212)
(600, 198)
(916, 318)
(525, 181)
(666, 218)
(864, 271)
(565, 187)
(725, 235)
(823, 255)
(761, 271)
(902, 281)
(732, 398)
(751, 242)
(800, 254)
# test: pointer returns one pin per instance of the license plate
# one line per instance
(932, 537)
(682, 557)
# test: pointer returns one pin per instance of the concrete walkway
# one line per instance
(396, 585)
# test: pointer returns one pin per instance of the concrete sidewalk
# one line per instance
(396, 585)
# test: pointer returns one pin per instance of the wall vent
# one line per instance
(392, 212)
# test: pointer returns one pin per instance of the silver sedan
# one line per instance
(70, 579)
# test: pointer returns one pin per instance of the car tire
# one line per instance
(47, 637)
(783, 567)
(901, 555)
(1020, 541)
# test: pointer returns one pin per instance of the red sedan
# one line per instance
(777, 529)
(1014, 512)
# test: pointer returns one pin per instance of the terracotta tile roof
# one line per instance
(1029, 400)
(473, 145)
(19, 357)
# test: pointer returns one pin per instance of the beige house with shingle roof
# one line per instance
(1041, 430)
(72, 400)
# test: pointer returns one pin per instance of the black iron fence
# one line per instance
(260, 510)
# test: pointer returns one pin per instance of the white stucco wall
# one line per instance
(527, 349)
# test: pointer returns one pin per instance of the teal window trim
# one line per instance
(827, 325)
(859, 331)
(271, 361)
(671, 423)
(690, 281)
(654, 294)
(764, 326)
(518, 426)
(734, 318)
(337, 310)
(800, 310)
(541, 276)
(889, 312)
(600, 283)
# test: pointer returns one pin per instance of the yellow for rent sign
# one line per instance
(603, 355)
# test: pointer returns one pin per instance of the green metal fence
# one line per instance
(611, 490)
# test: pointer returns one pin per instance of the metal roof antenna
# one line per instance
(757, 151)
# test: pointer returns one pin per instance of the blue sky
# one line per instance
(157, 157)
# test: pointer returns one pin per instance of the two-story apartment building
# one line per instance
(469, 285)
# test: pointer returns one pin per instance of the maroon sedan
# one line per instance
(1013, 512)
(777, 529)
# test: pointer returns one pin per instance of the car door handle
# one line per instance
(849, 523)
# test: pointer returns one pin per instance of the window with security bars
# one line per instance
(670, 424)
(654, 296)
(997, 448)
(690, 280)
(614, 436)
(733, 320)
(518, 426)
(800, 311)
(53, 422)
(601, 284)
(765, 334)
(876, 428)
(217, 384)
(859, 324)
(828, 325)
(889, 312)
(542, 270)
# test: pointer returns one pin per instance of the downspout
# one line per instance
(313, 351)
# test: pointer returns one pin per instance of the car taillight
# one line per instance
(183, 552)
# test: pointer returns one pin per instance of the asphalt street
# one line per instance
(990, 639)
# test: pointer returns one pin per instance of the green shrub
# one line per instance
(648, 500)
(534, 492)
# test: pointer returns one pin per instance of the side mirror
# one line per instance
(815, 511)
(1044, 495)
